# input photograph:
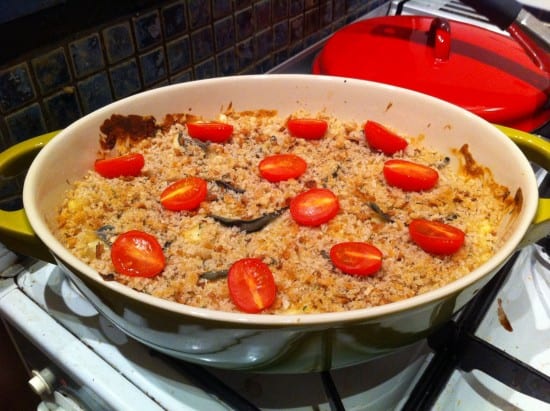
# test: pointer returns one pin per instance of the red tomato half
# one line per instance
(308, 128)
(382, 139)
(356, 258)
(251, 285)
(282, 167)
(184, 194)
(214, 131)
(435, 237)
(410, 176)
(137, 254)
(314, 207)
(123, 166)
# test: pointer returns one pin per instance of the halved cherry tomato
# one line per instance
(251, 285)
(356, 258)
(410, 176)
(308, 128)
(214, 131)
(184, 194)
(314, 207)
(137, 254)
(382, 139)
(435, 237)
(280, 167)
(122, 166)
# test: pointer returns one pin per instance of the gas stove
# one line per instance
(80, 361)
(494, 355)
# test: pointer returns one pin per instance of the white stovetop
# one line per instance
(127, 376)
(525, 300)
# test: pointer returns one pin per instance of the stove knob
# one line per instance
(42, 382)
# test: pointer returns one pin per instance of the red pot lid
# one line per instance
(484, 72)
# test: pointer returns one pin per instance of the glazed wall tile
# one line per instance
(118, 42)
(147, 30)
(125, 79)
(16, 87)
(51, 70)
(87, 55)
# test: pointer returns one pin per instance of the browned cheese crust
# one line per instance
(96, 210)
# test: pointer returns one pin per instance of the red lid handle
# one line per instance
(439, 37)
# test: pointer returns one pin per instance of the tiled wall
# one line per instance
(168, 42)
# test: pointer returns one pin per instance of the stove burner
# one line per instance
(456, 347)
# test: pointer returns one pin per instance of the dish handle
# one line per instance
(16, 232)
(537, 150)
